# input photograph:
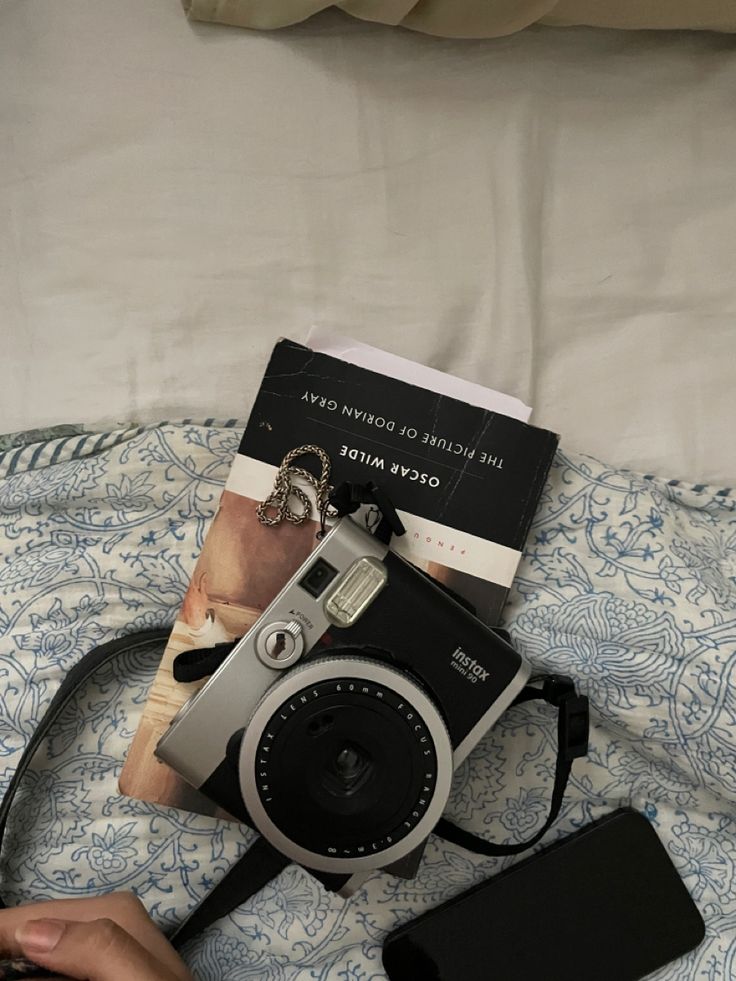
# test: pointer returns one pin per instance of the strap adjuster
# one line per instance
(574, 727)
(557, 688)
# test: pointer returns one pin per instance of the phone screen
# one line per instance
(605, 904)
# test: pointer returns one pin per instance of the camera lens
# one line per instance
(318, 577)
(348, 771)
(353, 782)
(347, 768)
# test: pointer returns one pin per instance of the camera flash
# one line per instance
(355, 592)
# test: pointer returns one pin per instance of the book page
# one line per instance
(393, 366)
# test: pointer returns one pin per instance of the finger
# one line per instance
(99, 950)
(122, 907)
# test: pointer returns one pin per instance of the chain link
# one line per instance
(276, 508)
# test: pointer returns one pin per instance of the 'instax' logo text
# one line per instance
(467, 666)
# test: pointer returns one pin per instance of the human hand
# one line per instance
(103, 938)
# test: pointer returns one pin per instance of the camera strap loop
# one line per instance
(201, 662)
(349, 496)
(573, 725)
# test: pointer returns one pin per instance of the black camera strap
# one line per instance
(348, 496)
(572, 743)
(201, 662)
(75, 679)
(262, 863)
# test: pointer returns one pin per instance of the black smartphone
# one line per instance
(605, 904)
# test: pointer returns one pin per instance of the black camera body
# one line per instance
(335, 724)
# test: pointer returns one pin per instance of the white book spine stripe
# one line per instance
(425, 540)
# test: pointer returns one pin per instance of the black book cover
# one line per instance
(476, 474)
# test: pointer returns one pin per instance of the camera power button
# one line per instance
(280, 644)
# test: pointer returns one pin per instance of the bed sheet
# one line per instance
(551, 214)
(627, 584)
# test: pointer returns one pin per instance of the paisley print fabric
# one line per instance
(628, 584)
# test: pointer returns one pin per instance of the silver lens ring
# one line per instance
(314, 674)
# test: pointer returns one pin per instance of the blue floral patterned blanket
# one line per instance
(628, 584)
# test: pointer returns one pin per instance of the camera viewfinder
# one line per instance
(318, 577)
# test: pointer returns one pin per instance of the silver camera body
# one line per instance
(338, 719)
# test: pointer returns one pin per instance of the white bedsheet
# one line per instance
(551, 214)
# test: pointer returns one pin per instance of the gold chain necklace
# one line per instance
(276, 508)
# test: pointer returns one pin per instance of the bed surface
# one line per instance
(627, 585)
(551, 214)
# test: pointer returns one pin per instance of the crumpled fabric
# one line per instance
(627, 584)
(477, 18)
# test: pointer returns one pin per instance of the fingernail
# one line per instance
(40, 935)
